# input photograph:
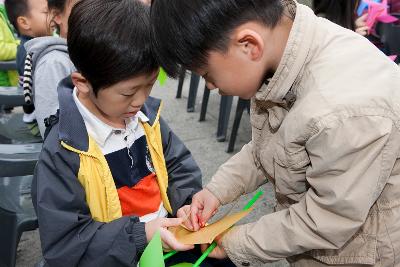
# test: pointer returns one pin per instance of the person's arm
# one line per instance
(69, 236)
(184, 175)
(239, 175)
(50, 70)
(350, 164)
(8, 45)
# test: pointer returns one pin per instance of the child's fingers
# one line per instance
(169, 222)
(361, 21)
(364, 17)
(362, 30)
(188, 224)
(170, 240)
(194, 218)
(206, 214)
(185, 214)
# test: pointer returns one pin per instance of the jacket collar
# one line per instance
(294, 56)
(101, 131)
(72, 129)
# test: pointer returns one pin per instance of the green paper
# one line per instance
(153, 254)
(213, 245)
(162, 76)
(170, 254)
(253, 200)
(205, 254)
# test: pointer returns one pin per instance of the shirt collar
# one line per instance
(101, 131)
(295, 55)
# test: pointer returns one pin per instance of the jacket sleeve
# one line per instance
(69, 236)
(239, 175)
(8, 45)
(350, 164)
(184, 175)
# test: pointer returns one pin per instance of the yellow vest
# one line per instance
(96, 178)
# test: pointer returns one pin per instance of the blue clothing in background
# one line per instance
(21, 54)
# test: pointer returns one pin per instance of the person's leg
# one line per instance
(29, 113)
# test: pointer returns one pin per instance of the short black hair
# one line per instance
(58, 5)
(185, 31)
(109, 41)
(15, 9)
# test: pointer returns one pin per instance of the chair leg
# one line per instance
(9, 238)
(194, 84)
(204, 104)
(241, 106)
(180, 84)
(223, 118)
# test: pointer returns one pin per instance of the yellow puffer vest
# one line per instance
(96, 178)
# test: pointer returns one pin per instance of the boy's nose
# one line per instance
(139, 100)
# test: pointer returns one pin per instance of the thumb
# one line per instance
(207, 213)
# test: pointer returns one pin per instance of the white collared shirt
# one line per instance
(111, 139)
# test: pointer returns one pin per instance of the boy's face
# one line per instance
(120, 101)
(253, 52)
(232, 73)
(240, 70)
(37, 22)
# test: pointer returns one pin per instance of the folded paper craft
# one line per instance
(207, 234)
(378, 11)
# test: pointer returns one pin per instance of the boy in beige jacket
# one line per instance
(325, 116)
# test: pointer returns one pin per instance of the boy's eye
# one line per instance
(127, 95)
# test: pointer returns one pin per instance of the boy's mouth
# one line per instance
(134, 111)
(131, 114)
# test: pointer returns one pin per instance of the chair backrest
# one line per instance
(17, 215)
(18, 159)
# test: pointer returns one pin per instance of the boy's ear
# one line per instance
(23, 23)
(250, 42)
(80, 83)
(56, 17)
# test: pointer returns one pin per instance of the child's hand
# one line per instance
(184, 214)
(204, 206)
(218, 252)
(361, 25)
(169, 241)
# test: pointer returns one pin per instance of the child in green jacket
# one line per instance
(8, 49)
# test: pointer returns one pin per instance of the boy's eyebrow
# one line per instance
(136, 87)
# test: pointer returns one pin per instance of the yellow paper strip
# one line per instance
(210, 232)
